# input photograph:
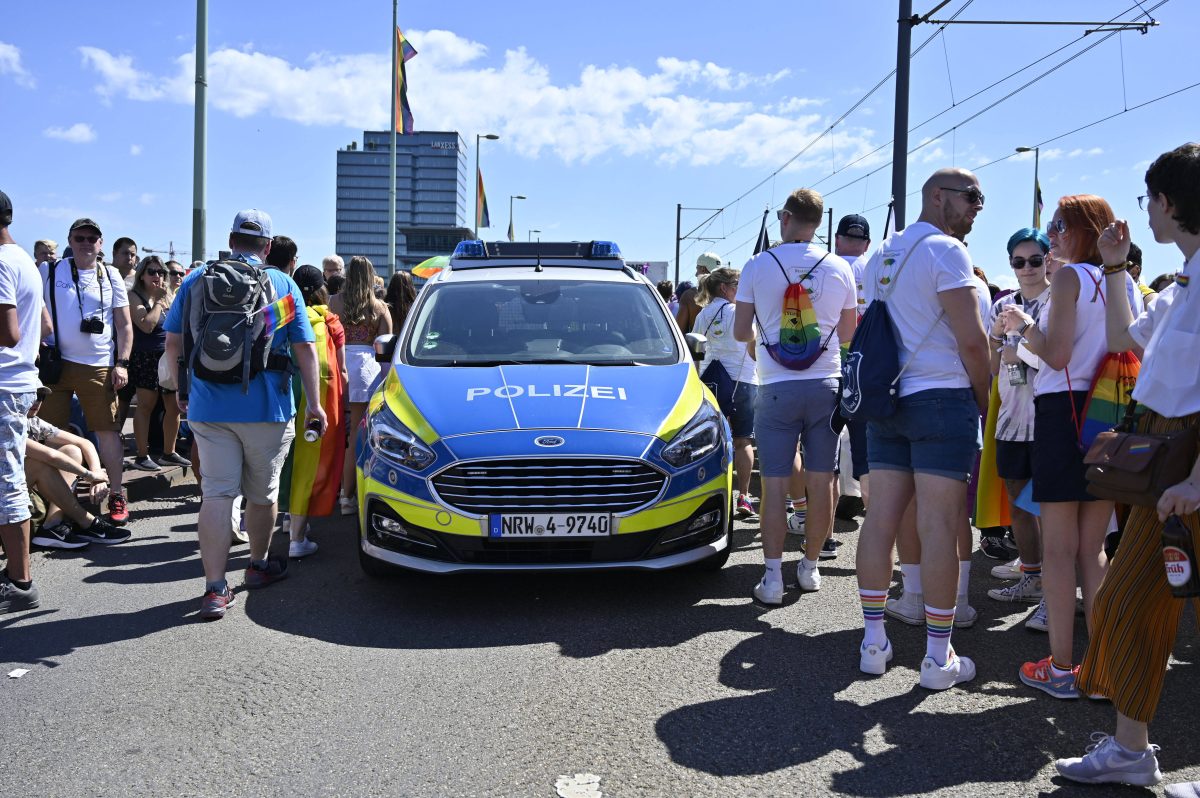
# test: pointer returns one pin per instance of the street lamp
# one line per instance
(1037, 212)
(478, 136)
(512, 197)
(531, 232)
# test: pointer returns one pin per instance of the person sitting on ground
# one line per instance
(53, 459)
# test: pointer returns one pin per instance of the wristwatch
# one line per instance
(1025, 327)
(123, 362)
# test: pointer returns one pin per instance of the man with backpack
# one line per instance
(923, 427)
(232, 323)
(805, 304)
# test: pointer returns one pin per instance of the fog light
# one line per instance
(704, 521)
(388, 526)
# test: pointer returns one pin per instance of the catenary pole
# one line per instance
(904, 25)
(391, 264)
(200, 136)
(678, 230)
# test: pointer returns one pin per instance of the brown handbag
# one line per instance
(1137, 467)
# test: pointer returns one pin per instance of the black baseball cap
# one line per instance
(5, 210)
(854, 226)
(309, 278)
(85, 222)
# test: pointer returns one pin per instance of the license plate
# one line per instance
(550, 525)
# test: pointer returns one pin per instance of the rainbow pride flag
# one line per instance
(1110, 393)
(991, 495)
(312, 474)
(279, 314)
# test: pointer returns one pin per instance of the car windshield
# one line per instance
(541, 321)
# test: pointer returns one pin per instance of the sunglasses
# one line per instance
(83, 239)
(974, 195)
(779, 214)
(176, 274)
(1056, 226)
(1036, 262)
(156, 272)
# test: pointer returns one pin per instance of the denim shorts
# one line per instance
(933, 432)
(14, 429)
(741, 418)
(791, 411)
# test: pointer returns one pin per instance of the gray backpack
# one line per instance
(224, 339)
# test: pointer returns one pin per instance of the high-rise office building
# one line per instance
(431, 197)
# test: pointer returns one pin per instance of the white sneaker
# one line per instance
(809, 578)
(795, 523)
(909, 609)
(873, 660)
(1038, 622)
(965, 615)
(1009, 570)
(348, 505)
(1107, 763)
(301, 548)
(956, 671)
(1029, 590)
(769, 592)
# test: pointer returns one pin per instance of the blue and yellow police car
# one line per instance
(540, 411)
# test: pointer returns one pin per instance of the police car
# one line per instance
(540, 411)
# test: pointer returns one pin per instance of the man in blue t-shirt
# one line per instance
(244, 431)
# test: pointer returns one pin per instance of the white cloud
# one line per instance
(78, 133)
(10, 64)
(679, 111)
(135, 149)
(111, 196)
(147, 199)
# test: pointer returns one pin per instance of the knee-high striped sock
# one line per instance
(1031, 568)
(938, 626)
(873, 602)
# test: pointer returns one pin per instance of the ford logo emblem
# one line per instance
(548, 441)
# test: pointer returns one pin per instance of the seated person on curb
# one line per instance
(53, 458)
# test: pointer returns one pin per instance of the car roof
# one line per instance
(526, 269)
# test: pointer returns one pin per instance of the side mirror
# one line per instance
(697, 344)
(385, 348)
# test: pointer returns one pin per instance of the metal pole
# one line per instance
(1036, 220)
(829, 239)
(678, 229)
(476, 235)
(904, 27)
(391, 264)
(200, 137)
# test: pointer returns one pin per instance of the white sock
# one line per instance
(939, 624)
(807, 564)
(964, 581)
(774, 571)
(912, 578)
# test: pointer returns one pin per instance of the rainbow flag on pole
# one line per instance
(279, 314)
(482, 218)
(404, 117)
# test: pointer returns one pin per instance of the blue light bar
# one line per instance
(470, 249)
(605, 249)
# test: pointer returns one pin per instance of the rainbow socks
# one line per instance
(1031, 569)
(873, 602)
(939, 624)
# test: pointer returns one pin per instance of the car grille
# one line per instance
(550, 485)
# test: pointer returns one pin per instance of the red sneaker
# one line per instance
(118, 509)
(214, 604)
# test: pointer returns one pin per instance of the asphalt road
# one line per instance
(331, 684)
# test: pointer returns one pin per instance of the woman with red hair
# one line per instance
(1069, 338)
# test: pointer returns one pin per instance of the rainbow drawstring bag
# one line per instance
(799, 343)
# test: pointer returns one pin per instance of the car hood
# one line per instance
(653, 400)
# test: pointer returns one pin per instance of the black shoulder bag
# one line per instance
(50, 362)
(717, 377)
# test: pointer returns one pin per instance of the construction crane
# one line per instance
(170, 251)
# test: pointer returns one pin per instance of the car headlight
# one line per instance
(699, 438)
(396, 442)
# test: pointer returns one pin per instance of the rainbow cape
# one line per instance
(279, 314)
(312, 474)
(1110, 393)
(991, 495)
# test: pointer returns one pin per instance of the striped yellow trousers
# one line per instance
(1135, 617)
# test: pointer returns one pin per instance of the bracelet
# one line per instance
(1107, 270)
(1025, 327)
(994, 338)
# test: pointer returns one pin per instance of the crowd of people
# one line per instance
(780, 333)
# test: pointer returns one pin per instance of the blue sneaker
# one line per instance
(1107, 762)
(1041, 676)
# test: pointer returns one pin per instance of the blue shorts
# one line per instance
(741, 418)
(14, 429)
(791, 411)
(933, 432)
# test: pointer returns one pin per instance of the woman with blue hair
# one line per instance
(1014, 367)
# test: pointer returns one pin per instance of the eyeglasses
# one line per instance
(156, 272)
(1056, 226)
(1144, 201)
(1036, 262)
(88, 239)
(973, 194)
(779, 214)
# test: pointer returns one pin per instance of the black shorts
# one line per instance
(1058, 469)
(143, 370)
(1014, 459)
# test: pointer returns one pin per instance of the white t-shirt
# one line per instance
(1169, 331)
(96, 300)
(715, 323)
(858, 266)
(940, 263)
(830, 288)
(1015, 419)
(20, 287)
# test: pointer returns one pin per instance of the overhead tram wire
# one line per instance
(1035, 62)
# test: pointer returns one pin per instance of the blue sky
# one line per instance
(609, 114)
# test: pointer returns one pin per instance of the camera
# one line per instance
(92, 326)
